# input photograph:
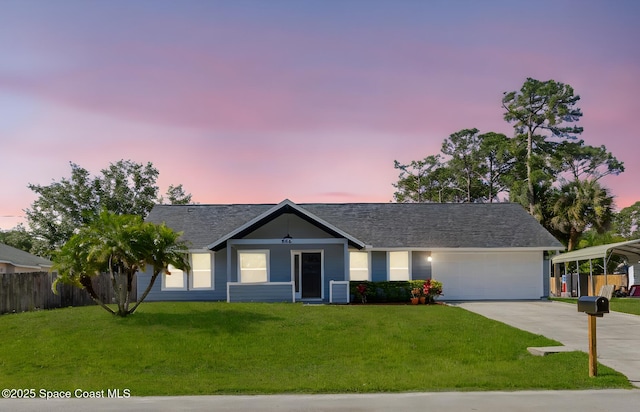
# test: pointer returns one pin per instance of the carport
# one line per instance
(630, 250)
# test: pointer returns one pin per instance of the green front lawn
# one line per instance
(626, 305)
(215, 348)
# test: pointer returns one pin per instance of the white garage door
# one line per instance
(489, 275)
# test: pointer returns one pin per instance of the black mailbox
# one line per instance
(593, 305)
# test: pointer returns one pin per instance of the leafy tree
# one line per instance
(415, 181)
(498, 154)
(591, 237)
(18, 238)
(543, 210)
(120, 245)
(479, 164)
(581, 161)
(627, 222)
(540, 111)
(176, 196)
(125, 187)
(465, 164)
(578, 206)
(543, 167)
(61, 207)
(476, 169)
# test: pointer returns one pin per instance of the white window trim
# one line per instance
(174, 272)
(368, 264)
(211, 271)
(256, 251)
(389, 252)
(187, 277)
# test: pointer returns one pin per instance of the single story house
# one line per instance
(310, 252)
(13, 260)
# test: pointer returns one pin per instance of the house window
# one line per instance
(174, 279)
(359, 265)
(201, 277)
(398, 265)
(253, 266)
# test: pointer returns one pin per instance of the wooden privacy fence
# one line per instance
(599, 280)
(23, 292)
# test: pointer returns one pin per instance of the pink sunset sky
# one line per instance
(247, 101)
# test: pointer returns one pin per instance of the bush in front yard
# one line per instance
(384, 292)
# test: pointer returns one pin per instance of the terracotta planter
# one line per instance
(414, 301)
(423, 299)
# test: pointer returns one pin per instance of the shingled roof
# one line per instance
(20, 258)
(378, 225)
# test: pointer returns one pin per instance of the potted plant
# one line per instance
(415, 296)
(424, 294)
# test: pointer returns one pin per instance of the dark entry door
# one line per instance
(311, 275)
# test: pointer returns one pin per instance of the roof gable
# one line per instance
(285, 206)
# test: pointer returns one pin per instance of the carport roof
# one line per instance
(630, 249)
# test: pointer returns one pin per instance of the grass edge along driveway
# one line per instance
(196, 348)
(624, 305)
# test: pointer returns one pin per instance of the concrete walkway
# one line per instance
(618, 334)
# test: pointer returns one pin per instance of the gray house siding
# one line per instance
(378, 266)
(280, 263)
(302, 233)
(218, 293)
(261, 292)
(420, 265)
(339, 292)
(280, 267)
(157, 294)
(334, 268)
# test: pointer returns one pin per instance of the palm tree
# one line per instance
(163, 248)
(578, 206)
(120, 245)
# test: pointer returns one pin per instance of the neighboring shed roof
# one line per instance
(17, 257)
(630, 249)
(379, 225)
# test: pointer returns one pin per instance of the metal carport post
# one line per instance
(629, 249)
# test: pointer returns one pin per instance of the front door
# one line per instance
(307, 274)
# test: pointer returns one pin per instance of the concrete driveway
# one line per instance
(618, 334)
